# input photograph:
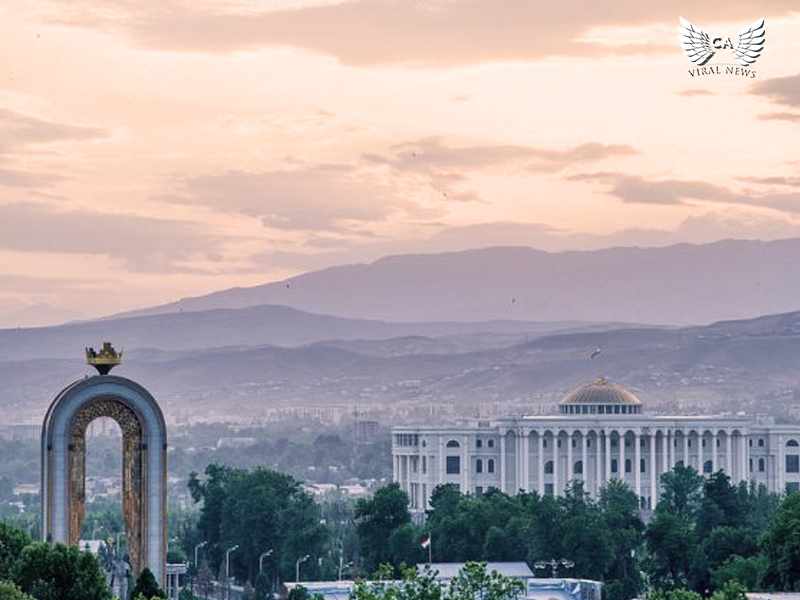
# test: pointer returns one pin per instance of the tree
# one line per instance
(732, 590)
(12, 541)
(204, 581)
(682, 491)
(747, 571)
(58, 572)
(376, 520)
(9, 591)
(147, 586)
(781, 545)
(620, 509)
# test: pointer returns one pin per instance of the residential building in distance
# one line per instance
(601, 432)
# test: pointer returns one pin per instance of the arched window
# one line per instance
(792, 444)
(453, 444)
(577, 468)
(761, 465)
(490, 466)
(479, 466)
(707, 466)
(548, 467)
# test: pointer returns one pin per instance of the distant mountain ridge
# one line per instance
(680, 284)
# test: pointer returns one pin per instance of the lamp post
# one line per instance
(228, 569)
(343, 566)
(196, 548)
(261, 560)
(554, 564)
(297, 567)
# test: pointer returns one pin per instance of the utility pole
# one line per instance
(228, 571)
(297, 567)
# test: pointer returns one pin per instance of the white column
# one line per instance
(518, 463)
(728, 457)
(585, 462)
(465, 466)
(598, 463)
(607, 448)
(670, 451)
(781, 465)
(637, 478)
(541, 463)
(570, 474)
(394, 469)
(746, 461)
(526, 463)
(651, 466)
(621, 463)
(686, 461)
(714, 451)
(556, 490)
(502, 461)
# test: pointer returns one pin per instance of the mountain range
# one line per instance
(679, 284)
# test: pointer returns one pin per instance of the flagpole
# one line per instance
(430, 549)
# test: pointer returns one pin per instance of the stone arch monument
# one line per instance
(144, 464)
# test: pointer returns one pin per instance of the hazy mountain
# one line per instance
(253, 326)
(728, 366)
(676, 284)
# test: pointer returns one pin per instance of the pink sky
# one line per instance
(150, 154)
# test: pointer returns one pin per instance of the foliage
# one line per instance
(731, 590)
(58, 572)
(9, 591)
(381, 519)
(781, 545)
(12, 541)
(147, 586)
(258, 510)
(186, 594)
(473, 582)
(749, 572)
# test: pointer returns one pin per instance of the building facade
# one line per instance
(601, 433)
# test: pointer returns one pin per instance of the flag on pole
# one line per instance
(425, 541)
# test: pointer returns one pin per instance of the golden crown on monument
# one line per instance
(105, 359)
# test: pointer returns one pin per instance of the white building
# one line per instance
(600, 433)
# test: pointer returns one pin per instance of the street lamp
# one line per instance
(196, 548)
(261, 560)
(343, 566)
(297, 567)
(553, 564)
(228, 568)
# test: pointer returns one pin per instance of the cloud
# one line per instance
(780, 116)
(781, 90)
(141, 243)
(24, 179)
(18, 130)
(313, 198)
(774, 180)
(635, 189)
(367, 32)
(696, 92)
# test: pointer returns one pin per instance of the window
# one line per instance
(614, 442)
(490, 443)
(704, 443)
(574, 443)
(628, 465)
(490, 466)
(760, 442)
(548, 489)
(750, 443)
(544, 442)
(453, 465)
(548, 467)
(751, 465)
(453, 444)
(792, 444)
(613, 465)
(690, 443)
(479, 443)
(792, 463)
(707, 467)
(479, 466)
(559, 443)
(577, 468)
(761, 465)
(588, 442)
(641, 466)
(424, 465)
(479, 490)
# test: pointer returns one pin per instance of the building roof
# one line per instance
(450, 570)
(601, 391)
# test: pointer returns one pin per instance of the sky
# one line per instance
(150, 152)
